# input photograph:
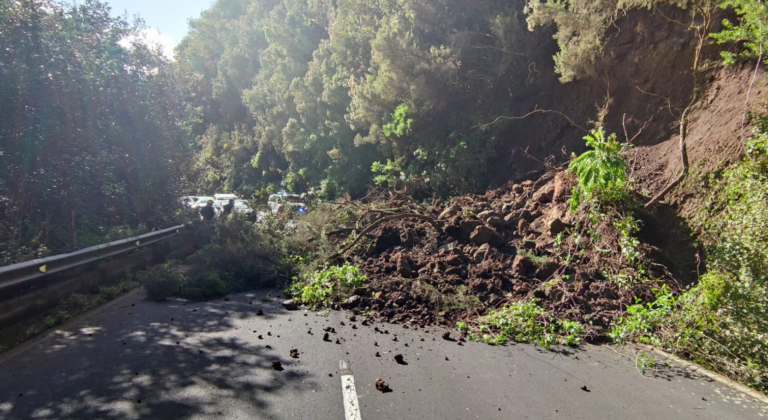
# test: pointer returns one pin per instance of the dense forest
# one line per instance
(320, 96)
(334, 96)
(92, 140)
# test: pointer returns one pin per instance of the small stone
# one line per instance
(294, 353)
(277, 365)
(290, 305)
(446, 335)
(399, 359)
(382, 386)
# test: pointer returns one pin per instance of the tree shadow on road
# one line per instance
(152, 360)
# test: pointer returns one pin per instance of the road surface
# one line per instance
(177, 360)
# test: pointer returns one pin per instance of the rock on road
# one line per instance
(180, 360)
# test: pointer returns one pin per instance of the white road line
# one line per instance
(351, 405)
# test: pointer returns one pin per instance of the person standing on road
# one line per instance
(207, 213)
(227, 209)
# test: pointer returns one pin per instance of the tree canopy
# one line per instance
(92, 129)
(303, 94)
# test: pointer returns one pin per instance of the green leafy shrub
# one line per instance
(317, 288)
(643, 320)
(525, 322)
(400, 125)
(600, 172)
(386, 175)
(721, 322)
(751, 30)
(243, 251)
(208, 284)
(162, 281)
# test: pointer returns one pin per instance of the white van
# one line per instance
(224, 197)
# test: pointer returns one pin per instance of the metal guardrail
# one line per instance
(13, 275)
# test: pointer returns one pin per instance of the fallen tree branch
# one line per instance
(381, 221)
(535, 111)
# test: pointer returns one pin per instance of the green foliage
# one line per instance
(601, 172)
(751, 31)
(400, 124)
(644, 362)
(643, 320)
(735, 221)
(628, 227)
(162, 281)
(309, 94)
(317, 288)
(388, 175)
(92, 129)
(527, 322)
(757, 144)
(582, 25)
(209, 284)
(720, 322)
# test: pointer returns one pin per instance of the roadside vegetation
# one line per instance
(92, 142)
(722, 321)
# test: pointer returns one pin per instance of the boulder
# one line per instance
(449, 212)
(454, 260)
(556, 226)
(480, 254)
(488, 214)
(522, 227)
(545, 194)
(496, 222)
(562, 188)
(469, 226)
(521, 265)
(485, 235)
(403, 267)
(547, 270)
(518, 189)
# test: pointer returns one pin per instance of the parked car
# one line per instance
(201, 202)
(224, 197)
(188, 201)
(284, 202)
(241, 207)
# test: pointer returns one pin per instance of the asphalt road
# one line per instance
(176, 360)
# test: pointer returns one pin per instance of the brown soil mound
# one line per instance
(480, 252)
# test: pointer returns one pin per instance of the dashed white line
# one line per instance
(351, 405)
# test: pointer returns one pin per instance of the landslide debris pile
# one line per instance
(459, 260)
